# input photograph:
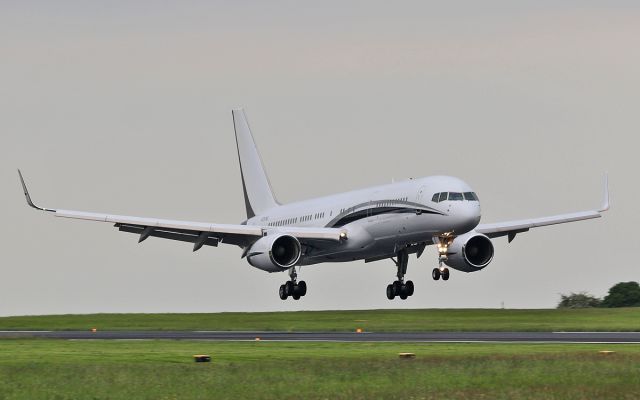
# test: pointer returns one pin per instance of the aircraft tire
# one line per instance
(390, 292)
(289, 288)
(397, 285)
(282, 293)
(435, 274)
(302, 288)
(445, 274)
(410, 288)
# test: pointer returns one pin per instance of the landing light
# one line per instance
(343, 235)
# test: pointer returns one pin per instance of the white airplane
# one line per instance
(381, 222)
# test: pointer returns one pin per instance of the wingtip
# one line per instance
(27, 196)
(605, 198)
(25, 190)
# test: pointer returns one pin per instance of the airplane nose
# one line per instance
(468, 216)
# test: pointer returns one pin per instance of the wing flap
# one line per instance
(171, 235)
(247, 230)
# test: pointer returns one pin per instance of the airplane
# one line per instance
(390, 221)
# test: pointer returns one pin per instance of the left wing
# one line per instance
(511, 228)
(198, 233)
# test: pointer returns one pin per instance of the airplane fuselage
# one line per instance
(380, 219)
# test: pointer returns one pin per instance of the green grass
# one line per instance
(594, 319)
(55, 369)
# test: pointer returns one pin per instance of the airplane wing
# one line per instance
(198, 233)
(512, 228)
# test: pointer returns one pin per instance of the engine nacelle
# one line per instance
(275, 253)
(470, 252)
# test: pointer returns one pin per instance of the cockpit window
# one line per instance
(454, 196)
(470, 196)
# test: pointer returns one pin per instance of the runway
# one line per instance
(429, 337)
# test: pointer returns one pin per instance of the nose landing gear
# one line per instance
(292, 287)
(400, 288)
(443, 243)
(442, 272)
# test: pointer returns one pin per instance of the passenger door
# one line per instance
(421, 194)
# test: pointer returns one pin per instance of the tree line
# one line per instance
(623, 294)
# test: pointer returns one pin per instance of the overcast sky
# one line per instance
(124, 107)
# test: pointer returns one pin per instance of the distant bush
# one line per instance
(578, 300)
(623, 294)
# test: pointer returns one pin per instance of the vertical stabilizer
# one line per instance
(258, 196)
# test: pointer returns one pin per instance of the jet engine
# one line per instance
(470, 252)
(274, 253)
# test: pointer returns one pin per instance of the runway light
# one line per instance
(359, 330)
(94, 330)
(257, 339)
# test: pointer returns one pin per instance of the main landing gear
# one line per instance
(400, 288)
(292, 287)
(443, 243)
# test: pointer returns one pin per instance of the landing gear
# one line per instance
(292, 288)
(401, 288)
(443, 243)
(437, 273)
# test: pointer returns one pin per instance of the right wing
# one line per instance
(511, 228)
(198, 233)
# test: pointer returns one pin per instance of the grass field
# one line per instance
(594, 319)
(55, 369)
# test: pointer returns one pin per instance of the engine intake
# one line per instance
(470, 252)
(274, 253)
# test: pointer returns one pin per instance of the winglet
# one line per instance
(605, 199)
(26, 194)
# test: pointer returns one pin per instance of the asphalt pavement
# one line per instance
(452, 337)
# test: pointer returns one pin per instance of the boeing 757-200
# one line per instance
(390, 221)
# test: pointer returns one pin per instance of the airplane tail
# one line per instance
(258, 196)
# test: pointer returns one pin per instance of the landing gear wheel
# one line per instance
(397, 285)
(403, 292)
(445, 274)
(296, 297)
(410, 288)
(435, 274)
(390, 292)
(302, 288)
(282, 292)
(289, 287)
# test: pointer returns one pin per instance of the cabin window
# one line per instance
(470, 196)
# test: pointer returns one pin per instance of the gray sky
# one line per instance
(125, 108)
